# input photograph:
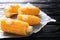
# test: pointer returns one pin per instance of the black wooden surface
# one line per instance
(50, 7)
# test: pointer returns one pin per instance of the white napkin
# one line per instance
(44, 19)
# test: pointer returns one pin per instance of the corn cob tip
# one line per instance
(29, 29)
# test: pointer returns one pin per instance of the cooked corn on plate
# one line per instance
(11, 10)
(29, 10)
(15, 26)
(32, 20)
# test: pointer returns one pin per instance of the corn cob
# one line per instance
(29, 10)
(32, 20)
(11, 10)
(15, 26)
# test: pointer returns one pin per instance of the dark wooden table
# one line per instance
(50, 7)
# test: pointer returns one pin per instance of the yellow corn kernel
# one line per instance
(11, 10)
(15, 26)
(32, 20)
(29, 10)
(15, 8)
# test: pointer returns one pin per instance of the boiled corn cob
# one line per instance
(15, 27)
(11, 10)
(29, 10)
(32, 20)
